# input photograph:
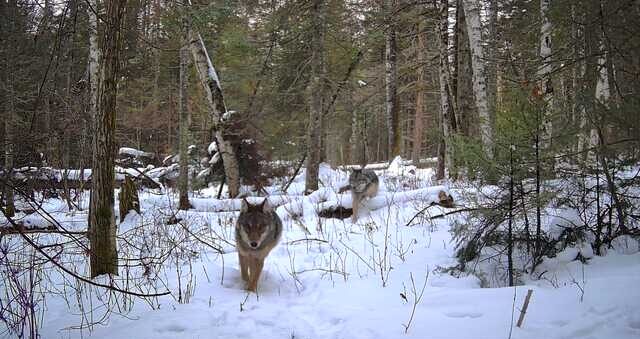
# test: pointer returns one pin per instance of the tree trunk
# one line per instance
(446, 110)
(418, 127)
(462, 83)
(183, 111)
(391, 83)
(217, 109)
(314, 132)
(474, 30)
(102, 227)
(544, 73)
(492, 56)
(94, 57)
(128, 197)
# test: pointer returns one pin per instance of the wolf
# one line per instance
(258, 231)
(363, 183)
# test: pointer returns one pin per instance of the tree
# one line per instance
(544, 73)
(9, 93)
(102, 227)
(474, 31)
(94, 57)
(446, 108)
(217, 109)
(316, 96)
(391, 81)
(183, 111)
(418, 126)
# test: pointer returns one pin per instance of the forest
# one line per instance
(319, 168)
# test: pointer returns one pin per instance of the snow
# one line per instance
(331, 278)
(134, 153)
(213, 148)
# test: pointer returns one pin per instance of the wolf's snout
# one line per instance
(254, 244)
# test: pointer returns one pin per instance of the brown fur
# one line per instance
(260, 226)
(445, 200)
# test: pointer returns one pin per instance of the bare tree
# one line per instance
(217, 109)
(544, 72)
(314, 132)
(183, 111)
(391, 82)
(446, 108)
(474, 31)
(418, 127)
(94, 57)
(102, 227)
(9, 107)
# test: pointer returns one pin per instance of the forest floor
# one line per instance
(328, 278)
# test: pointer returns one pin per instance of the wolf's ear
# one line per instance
(265, 206)
(244, 205)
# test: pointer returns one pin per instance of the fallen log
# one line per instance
(328, 204)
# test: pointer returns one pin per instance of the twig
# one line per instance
(286, 187)
(524, 308)
(66, 270)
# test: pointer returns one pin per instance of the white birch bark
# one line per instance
(603, 95)
(474, 30)
(445, 95)
(217, 109)
(544, 72)
(94, 57)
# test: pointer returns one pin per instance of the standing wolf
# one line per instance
(258, 231)
(363, 183)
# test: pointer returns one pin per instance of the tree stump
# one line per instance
(128, 197)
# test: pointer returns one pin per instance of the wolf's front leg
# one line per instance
(244, 267)
(256, 269)
(355, 202)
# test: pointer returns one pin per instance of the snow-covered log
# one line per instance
(233, 205)
(327, 202)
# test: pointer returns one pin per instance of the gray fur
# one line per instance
(363, 183)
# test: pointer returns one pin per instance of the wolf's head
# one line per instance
(360, 179)
(255, 223)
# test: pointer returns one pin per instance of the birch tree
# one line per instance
(94, 56)
(315, 90)
(102, 227)
(215, 101)
(474, 31)
(446, 109)
(544, 72)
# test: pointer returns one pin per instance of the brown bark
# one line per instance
(391, 83)
(102, 228)
(418, 126)
(183, 111)
(314, 132)
(128, 198)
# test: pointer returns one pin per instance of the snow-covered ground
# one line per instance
(330, 278)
